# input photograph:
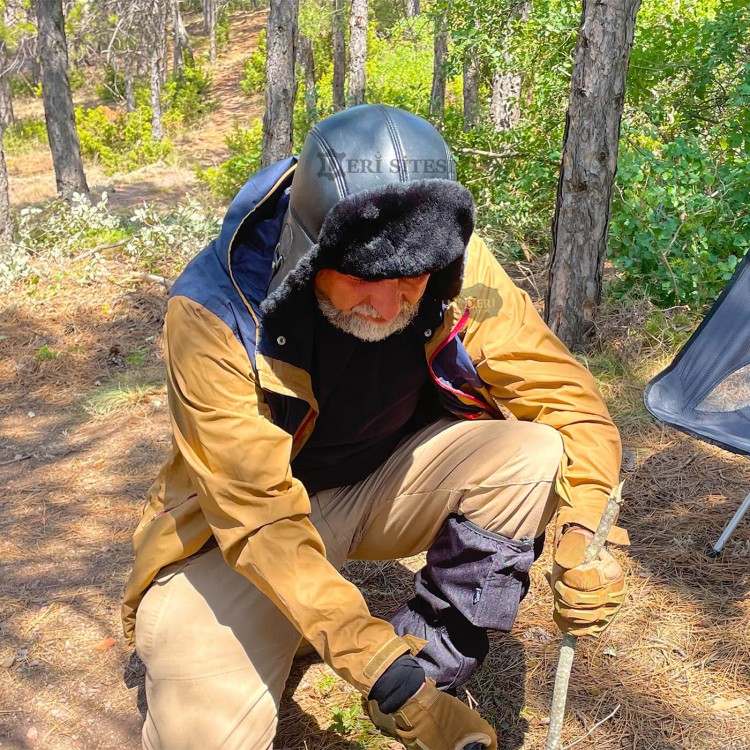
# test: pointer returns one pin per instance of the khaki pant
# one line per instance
(218, 652)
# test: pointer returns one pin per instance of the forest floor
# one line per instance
(84, 427)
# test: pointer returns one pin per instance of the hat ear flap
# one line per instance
(446, 284)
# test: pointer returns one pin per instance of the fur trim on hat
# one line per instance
(399, 230)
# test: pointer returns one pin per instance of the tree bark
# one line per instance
(437, 95)
(210, 16)
(307, 63)
(180, 39)
(281, 42)
(505, 109)
(156, 23)
(471, 90)
(589, 163)
(129, 82)
(58, 100)
(339, 55)
(412, 8)
(357, 52)
(6, 222)
(6, 102)
(505, 97)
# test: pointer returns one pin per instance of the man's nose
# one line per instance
(387, 298)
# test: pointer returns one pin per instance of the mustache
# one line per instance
(353, 322)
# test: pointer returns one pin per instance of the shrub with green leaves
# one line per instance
(680, 219)
(244, 146)
(254, 78)
(60, 231)
(187, 96)
(21, 86)
(166, 242)
(57, 231)
(120, 141)
(24, 134)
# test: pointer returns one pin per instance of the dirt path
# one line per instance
(32, 175)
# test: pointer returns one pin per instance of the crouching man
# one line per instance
(351, 374)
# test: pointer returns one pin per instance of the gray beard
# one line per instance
(366, 330)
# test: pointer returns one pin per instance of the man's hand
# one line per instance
(588, 596)
(432, 720)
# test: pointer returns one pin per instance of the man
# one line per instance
(352, 374)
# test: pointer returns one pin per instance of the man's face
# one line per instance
(369, 310)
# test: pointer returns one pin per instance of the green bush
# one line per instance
(680, 219)
(60, 230)
(24, 134)
(222, 30)
(57, 231)
(166, 243)
(244, 146)
(21, 86)
(111, 90)
(187, 97)
(77, 77)
(254, 79)
(120, 141)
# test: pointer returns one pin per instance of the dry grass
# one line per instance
(73, 475)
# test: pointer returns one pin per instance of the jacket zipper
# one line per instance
(164, 511)
(456, 330)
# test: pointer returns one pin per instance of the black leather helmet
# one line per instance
(374, 195)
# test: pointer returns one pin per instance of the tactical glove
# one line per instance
(431, 720)
(588, 596)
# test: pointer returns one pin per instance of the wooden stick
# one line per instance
(568, 647)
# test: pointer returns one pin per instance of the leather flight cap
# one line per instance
(374, 195)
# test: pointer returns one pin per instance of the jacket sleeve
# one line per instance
(239, 464)
(530, 372)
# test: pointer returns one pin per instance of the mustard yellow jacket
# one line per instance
(239, 415)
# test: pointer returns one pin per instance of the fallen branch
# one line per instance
(491, 154)
(98, 249)
(163, 280)
(15, 459)
(598, 724)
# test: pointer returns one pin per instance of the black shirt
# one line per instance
(368, 394)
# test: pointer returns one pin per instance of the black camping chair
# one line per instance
(705, 392)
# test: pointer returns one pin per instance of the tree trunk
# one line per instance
(471, 90)
(437, 95)
(6, 222)
(307, 63)
(281, 42)
(357, 52)
(154, 37)
(58, 101)
(505, 109)
(36, 68)
(6, 102)
(210, 15)
(339, 55)
(412, 8)
(129, 82)
(180, 39)
(505, 97)
(589, 163)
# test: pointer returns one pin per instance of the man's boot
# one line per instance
(473, 581)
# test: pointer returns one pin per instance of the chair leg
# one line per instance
(730, 527)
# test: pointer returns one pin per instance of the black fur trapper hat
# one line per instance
(403, 216)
